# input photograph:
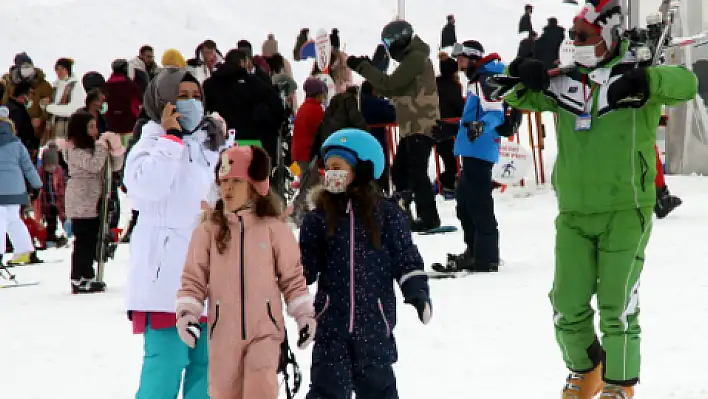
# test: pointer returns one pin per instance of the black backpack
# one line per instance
(512, 121)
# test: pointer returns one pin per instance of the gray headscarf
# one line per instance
(164, 88)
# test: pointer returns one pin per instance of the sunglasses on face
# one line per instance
(581, 37)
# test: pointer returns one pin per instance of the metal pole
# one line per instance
(633, 14)
(401, 14)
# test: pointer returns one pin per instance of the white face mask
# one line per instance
(335, 181)
(585, 55)
(27, 72)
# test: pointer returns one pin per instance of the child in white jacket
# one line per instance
(169, 173)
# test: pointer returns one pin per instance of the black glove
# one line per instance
(629, 91)
(354, 62)
(34, 194)
(474, 130)
(533, 73)
(421, 303)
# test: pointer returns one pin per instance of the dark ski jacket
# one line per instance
(450, 97)
(547, 47)
(23, 126)
(448, 37)
(526, 48)
(525, 23)
(355, 295)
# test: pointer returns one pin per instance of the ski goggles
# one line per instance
(581, 37)
(461, 50)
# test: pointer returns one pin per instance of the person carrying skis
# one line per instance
(355, 244)
(607, 111)
(168, 176)
(413, 89)
(246, 224)
(478, 145)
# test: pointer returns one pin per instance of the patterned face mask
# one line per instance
(335, 181)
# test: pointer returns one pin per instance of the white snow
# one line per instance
(491, 335)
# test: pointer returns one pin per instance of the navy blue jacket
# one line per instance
(355, 295)
(378, 111)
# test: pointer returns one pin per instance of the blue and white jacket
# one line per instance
(479, 108)
(15, 166)
(166, 180)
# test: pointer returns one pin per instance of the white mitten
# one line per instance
(306, 326)
(188, 312)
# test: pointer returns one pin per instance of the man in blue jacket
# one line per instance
(478, 145)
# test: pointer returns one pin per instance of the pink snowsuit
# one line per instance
(244, 287)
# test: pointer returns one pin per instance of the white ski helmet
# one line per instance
(607, 16)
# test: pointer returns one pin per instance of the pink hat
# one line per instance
(248, 163)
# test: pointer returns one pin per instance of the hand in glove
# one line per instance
(306, 327)
(188, 312)
(354, 62)
(303, 310)
(421, 302)
(629, 91)
(474, 130)
(533, 73)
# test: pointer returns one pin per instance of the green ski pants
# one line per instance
(600, 254)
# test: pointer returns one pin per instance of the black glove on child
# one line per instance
(421, 303)
(354, 62)
(629, 91)
(532, 73)
(474, 130)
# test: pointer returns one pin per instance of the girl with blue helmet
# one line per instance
(355, 243)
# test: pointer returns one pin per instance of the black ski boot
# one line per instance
(420, 225)
(665, 202)
(465, 263)
(87, 286)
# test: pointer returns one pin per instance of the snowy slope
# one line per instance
(491, 335)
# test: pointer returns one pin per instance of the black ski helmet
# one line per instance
(396, 36)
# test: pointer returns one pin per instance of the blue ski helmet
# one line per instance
(361, 143)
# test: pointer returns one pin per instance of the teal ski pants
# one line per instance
(166, 357)
(600, 254)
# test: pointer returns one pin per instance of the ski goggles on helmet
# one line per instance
(461, 50)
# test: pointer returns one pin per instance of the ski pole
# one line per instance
(10, 276)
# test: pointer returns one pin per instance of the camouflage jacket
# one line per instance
(411, 87)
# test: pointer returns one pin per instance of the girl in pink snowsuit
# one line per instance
(243, 259)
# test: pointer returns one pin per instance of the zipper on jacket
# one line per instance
(644, 169)
(159, 265)
(351, 267)
(243, 281)
(270, 314)
(383, 316)
(216, 320)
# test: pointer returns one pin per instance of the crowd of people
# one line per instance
(193, 144)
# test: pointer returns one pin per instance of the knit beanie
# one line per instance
(22, 59)
(245, 46)
(313, 87)
(173, 58)
(606, 16)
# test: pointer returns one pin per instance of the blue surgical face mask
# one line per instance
(192, 112)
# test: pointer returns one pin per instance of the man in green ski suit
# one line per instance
(608, 112)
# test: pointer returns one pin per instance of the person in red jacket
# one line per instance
(307, 121)
(124, 100)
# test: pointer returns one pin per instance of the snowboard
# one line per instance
(106, 246)
(439, 230)
(323, 50)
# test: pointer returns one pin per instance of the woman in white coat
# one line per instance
(169, 173)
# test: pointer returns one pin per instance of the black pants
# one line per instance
(85, 242)
(445, 150)
(51, 217)
(475, 210)
(410, 172)
(115, 202)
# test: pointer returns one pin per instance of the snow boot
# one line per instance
(617, 392)
(665, 202)
(87, 286)
(583, 385)
(420, 225)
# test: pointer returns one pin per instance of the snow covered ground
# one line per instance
(491, 335)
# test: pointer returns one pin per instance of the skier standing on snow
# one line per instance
(246, 224)
(87, 155)
(169, 174)
(478, 145)
(608, 113)
(355, 244)
(413, 89)
(15, 167)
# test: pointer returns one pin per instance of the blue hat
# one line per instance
(348, 156)
(358, 143)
